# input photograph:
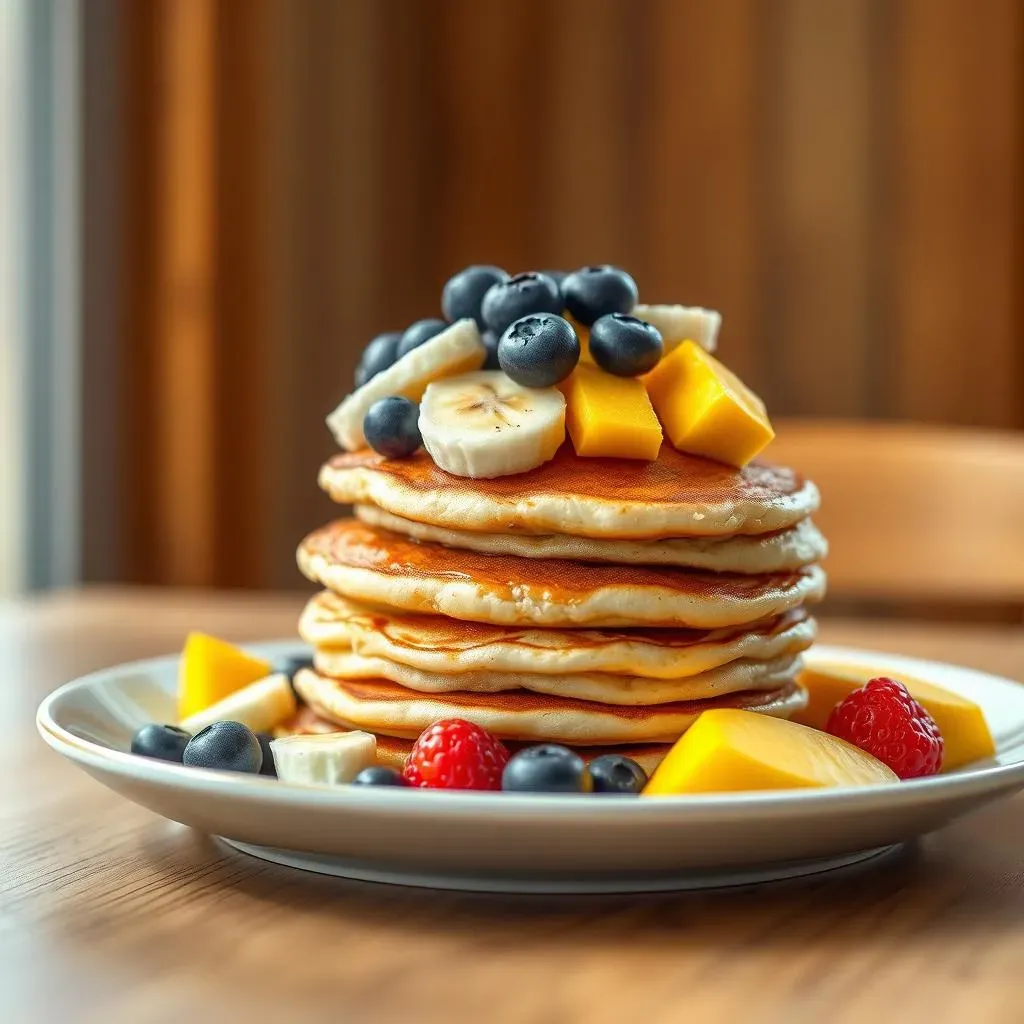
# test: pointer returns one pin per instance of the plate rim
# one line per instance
(387, 802)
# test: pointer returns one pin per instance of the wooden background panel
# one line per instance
(841, 180)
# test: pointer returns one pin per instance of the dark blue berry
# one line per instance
(613, 773)
(377, 356)
(391, 427)
(539, 351)
(164, 742)
(268, 767)
(490, 340)
(546, 769)
(418, 333)
(624, 345)
(464, 293)
(558, 276)
(378, 775)
(226, 746)
(594, 292)
(517, 297)
(291, 666)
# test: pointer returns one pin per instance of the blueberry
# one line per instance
(613, 773)
(624, 345)
(594, 292)
(268, 767)
(377, 356)
(392, 427)
(558, 276)
(490, 340)
(378, 775)
(464, 293)
(519, 296)
(538, 351)
(291, 667)
(164, 742)
(546, 769)
(226, 746)
(418, 333)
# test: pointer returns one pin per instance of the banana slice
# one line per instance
(324, 760)
(455, 350)
(485, 425)
(681, 323)
(260, 705)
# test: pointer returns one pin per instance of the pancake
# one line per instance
(392, 751)
(679, 495)
(389, 709)
(771, 552)
(601, 687)
(378, 567)
(434, 643)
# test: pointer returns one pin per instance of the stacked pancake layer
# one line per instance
(598, 603)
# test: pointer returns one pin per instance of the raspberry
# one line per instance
(885, 720)
(455, 754)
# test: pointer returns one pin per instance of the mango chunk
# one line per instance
(706, 409)
(211, 669)
(609, 416)
(727, 750)
(962, 723)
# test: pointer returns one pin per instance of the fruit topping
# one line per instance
(464, 293)
(593, 292)
(624, 345)
(727, 750)
(268, 767)
(392, 428)
(491, 344)
(380, 775)
(326, 759)
(377, 356)
(613, 773)
(419, 333)
(455, 754)
(260, 706)
(539, 350)
(225, 746)
(965, 733)
(677, 324)
(211, 669)
(457, 349)
(547, 768)
(520, 296)
(164, 742)
(884, 719)
(706, 409)
(558, 276)
(610, 417)
(483, 424)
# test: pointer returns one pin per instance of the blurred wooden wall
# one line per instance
(841, 179)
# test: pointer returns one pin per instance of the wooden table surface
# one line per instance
(108, 913)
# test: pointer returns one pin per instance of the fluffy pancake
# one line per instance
(602, 687)
(435, 643)
(378, 567)
(679, 495)
(389, 709)
(771, 552)
(392, 751)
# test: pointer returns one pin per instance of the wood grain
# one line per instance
(111, 914)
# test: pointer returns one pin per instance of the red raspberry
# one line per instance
(455, 754)
(885, 720)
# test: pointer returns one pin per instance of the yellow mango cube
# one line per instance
(962, 723)
(728, 750)
(211, 669)
(609, 416)
(706, 409)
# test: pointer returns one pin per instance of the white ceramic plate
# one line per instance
(520, 843)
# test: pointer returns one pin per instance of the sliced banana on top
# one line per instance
(328, 759)
(483, 424)
(681, 323)
(260, 705)
(455, 350)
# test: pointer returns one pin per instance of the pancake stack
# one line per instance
(598, 603)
